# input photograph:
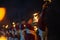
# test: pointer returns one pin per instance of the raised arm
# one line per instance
(44, 7)
(42, 16)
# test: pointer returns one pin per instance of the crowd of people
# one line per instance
(26, 30)
(23, 31)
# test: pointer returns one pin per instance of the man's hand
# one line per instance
(44, 6)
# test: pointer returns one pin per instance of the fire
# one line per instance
(2, 13)
(3, 38)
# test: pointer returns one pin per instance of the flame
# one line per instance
(3, 38)
(2, 13)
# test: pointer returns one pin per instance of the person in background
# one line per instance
(22, 27)
(30, 31)
(42, 23)
(10, 32)
(16, 29)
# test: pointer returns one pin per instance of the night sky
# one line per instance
(23, 9)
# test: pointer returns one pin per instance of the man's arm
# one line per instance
(44, 7)
(42, 17)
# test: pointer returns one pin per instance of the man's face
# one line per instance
(35, 17)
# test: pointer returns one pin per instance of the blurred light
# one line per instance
(24, 25)
(3, 26)
(13, 23)
(2, 13)
(6, 26)
(3, 38)
(35, 28)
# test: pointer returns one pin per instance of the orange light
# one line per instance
(3, 38)
(6, 26)
(2, 13)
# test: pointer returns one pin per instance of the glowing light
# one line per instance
(35, 28)
(6, 26)
(2, 13)
(13, 23)
(24, 25)
(3, 38)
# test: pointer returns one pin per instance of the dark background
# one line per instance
(16, 10)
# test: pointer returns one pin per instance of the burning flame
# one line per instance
(3, 38)
(2, 13)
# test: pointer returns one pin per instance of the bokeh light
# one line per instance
(2, 13)
(13, 23)
(3, 38)
(6, 26)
